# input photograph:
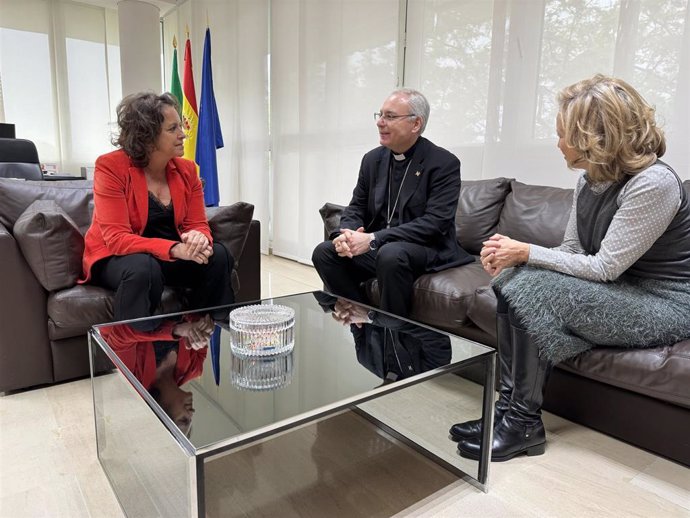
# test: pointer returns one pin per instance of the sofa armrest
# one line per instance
(25, 356)
(249, 265)
(330, 214)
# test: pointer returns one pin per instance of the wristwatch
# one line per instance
(372, 242)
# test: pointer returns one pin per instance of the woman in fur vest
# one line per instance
(621, 277)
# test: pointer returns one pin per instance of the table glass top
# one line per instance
(219, 382)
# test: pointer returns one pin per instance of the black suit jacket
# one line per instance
(426, 208)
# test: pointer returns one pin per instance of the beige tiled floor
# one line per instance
(48, 465)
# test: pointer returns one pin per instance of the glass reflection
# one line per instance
(261, 373)
(164, 359)
(390, 348)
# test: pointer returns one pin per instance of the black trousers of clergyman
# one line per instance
(395, 265)
(138, 281)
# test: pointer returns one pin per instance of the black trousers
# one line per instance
(395, 265)
(138, 281)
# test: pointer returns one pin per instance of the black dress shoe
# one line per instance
(511, 438)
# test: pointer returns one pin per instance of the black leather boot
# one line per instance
(521, 429)
(473, 429)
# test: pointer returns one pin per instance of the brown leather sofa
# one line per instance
(44, 314)
(640, 396)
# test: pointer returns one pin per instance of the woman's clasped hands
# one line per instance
(194, 246)
(198, 332)
(501, 252)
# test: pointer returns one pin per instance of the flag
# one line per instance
(210, 137)
(190, 116)
(215, 354)
(175, 87)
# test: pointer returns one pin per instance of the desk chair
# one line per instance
(19, 159)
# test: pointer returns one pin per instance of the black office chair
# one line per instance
(19, 159)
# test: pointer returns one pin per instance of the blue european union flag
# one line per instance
(209, 136)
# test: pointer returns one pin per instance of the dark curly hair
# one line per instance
(140, 119)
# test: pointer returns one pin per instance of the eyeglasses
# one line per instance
(390, 118)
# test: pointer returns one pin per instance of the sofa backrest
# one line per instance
(536, 214)
(74, 197)
(530, 213)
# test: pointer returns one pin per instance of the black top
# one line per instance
(161, 220)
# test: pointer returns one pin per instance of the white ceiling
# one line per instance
(163, 5)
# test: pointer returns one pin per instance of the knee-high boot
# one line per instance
(521, 429)
(473, 429)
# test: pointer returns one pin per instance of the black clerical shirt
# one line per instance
(396, 172)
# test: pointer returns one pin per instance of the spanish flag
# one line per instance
(190, 114)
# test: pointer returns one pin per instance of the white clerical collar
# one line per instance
(400, 157)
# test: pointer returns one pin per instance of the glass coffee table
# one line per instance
(174, 393)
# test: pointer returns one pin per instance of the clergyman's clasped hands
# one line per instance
(194, 246)
(351, 243)
(347, 313)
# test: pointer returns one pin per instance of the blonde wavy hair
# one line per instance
(611, 126)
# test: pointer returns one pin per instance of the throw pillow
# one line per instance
(51, 244)
(230, 226)
(536, 214)
(479, 208)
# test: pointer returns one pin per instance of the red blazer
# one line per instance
(135, 349)
(121, 208)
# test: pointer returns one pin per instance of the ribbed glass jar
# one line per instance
(262, 329)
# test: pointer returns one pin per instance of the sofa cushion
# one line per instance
(659, 372)
(74, 197)
(479, 208)
(482, 310)
(51, 244)
(536, 214)
(441, 299)
(73, 311)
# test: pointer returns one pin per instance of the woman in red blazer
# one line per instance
(149, 226)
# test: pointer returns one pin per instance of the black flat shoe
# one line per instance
(510, 440)
(466, 430)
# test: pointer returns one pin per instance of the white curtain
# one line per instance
(333, 63)
(60, 73)
(492, 71)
